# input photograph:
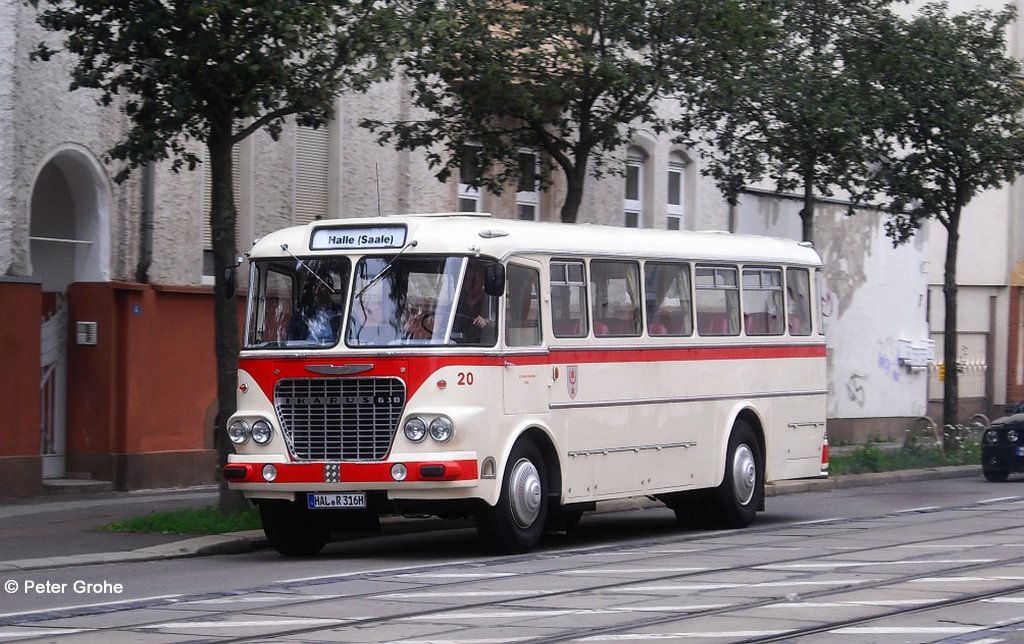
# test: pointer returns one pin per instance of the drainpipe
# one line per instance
(146, 244)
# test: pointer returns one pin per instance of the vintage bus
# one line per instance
(519, 373)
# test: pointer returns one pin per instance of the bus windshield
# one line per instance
(383, 301)
(412, 301)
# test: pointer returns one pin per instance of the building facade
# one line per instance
(109, 345)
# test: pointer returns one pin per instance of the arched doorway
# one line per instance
(69, 242)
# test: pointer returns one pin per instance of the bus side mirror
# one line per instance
(494, 280)
(229, 282)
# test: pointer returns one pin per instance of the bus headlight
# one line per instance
(261, 432)
(442, 429)
(415, 429)
(238, 431)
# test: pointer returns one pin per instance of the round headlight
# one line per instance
(238, 431)
(1012, 435)
(991, 436)
(262, 432)
(415, 429)
(442, 429)
(269, 473)
(399, 472)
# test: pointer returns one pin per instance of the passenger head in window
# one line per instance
(317, 317)
(474, 316)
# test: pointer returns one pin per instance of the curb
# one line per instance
(252, 540)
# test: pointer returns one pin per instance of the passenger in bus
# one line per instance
(318, 317)
(473, 324)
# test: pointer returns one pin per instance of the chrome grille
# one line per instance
(347, 419)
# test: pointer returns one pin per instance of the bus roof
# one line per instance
(471, 233)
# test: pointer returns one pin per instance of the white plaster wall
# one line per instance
(9, 10)
(874, 296)
(47, 119)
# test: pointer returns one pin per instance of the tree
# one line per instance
(568, 78)
(957, 114)
(216, 72)
(789, 109)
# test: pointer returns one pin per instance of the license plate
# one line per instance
(335, 501)
(1020, 451)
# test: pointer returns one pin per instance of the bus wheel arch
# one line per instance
(741, 493)
(530, 485)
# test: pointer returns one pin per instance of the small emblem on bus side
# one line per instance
(572, 380)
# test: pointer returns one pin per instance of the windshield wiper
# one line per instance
(383, 271)
(309, 270)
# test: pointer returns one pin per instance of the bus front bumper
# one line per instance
(333, 474)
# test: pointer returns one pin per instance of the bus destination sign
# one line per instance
(358, 237)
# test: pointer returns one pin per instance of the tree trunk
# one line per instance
(222, 227)
(951, 383)
(574, 180)
(807, 212)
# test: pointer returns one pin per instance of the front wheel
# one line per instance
(291, 530)
(736, 500)
(516, 523)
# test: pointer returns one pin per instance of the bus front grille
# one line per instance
(339, 419)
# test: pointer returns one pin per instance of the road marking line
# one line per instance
(63, 609)
(478, 593)
(907, 630)
(305, 621)
(602, 571)
(679, 636)
(856, 564)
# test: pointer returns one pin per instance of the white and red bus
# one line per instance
(520, 372)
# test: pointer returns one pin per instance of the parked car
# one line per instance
(1002, 446)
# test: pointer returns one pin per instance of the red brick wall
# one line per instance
(20, 314)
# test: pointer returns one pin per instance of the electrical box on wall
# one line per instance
(915, 356)
(85, 332)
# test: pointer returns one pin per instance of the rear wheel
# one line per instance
(736, 500)
(292, 530)
(516, 523)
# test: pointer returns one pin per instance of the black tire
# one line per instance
(291, 530)
(734, 503)
(516, 523)
(996, 476)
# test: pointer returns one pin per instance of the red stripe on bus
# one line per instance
(416, 369)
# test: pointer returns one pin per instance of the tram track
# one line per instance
(838, 528)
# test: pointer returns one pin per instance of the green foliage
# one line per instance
(789, 107)
(873, 458)
(183, 70)
(569, 78)
(205, 520)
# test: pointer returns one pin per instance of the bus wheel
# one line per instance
(736, 500)
(516, 523)
(291, 530)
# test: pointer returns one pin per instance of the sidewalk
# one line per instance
(63, 530)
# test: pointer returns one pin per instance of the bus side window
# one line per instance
(762, 301)
(615, 289)
(522, 306)
(798, 301)
(718, 301)
(568, 299)
(669, 308)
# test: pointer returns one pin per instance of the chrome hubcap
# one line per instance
(744, 474)
(525, 493)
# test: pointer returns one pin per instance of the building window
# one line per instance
(312, 169)
(469, 178)
(634, 205)
(527, 195)
(674, 206)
